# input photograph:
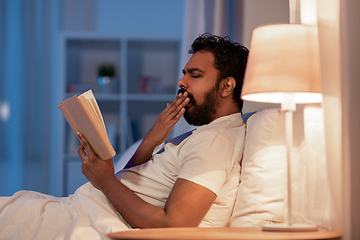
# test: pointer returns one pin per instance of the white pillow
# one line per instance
(260, 197)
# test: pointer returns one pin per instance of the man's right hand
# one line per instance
(161, 129)
(167, 119)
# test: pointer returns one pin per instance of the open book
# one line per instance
(83, 115)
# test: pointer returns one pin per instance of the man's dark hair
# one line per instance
(230, 59)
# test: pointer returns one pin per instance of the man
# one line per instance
(194, 182)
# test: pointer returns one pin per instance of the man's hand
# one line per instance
(161, 129)
(97, 171)
(168, 118)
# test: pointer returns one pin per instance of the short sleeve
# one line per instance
(207, 160)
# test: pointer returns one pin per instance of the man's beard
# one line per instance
(205, 113)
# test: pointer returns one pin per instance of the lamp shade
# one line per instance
(283, 59)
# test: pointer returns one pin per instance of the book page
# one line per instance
(89, 99)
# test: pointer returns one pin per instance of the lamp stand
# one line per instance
(289, 106)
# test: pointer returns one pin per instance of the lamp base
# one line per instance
(284, 227)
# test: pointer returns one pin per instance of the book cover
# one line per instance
(83, 114)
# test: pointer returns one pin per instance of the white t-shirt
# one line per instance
(210, 157)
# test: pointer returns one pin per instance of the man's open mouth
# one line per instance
(182, 90)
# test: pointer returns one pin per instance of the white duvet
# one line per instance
(86, 214)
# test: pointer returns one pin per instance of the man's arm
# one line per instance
(160, 131)
(187, 203)
(186, 206)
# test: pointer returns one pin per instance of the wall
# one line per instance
(262, 12)
(155, 17)
(255, 14)
(11, 151)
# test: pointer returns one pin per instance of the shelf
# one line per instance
(146, 72)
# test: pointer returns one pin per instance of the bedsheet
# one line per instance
(86, 214)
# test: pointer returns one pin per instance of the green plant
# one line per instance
(106, 70)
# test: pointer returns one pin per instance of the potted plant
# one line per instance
(107, 80)
(106, 70)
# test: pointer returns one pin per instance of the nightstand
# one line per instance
(218, 233)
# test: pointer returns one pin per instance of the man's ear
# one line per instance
(227, 86)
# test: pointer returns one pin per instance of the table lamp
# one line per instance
(284, 67)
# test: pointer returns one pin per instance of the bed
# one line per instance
(87, 214)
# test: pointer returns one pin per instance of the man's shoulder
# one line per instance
(223, 124)
(230, 128)
(227, 127)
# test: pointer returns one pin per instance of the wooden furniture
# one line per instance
(218, 233)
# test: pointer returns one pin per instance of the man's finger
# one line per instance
(82, 153)
(175, 107)
(178, 100)
(90, 152)
(177, 117)
(180, 107)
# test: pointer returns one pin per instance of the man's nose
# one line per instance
(182, 82)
